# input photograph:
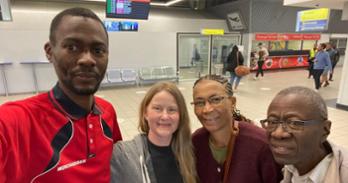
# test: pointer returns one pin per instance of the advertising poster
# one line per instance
(280, 62)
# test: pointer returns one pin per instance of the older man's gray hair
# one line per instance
(313, 99)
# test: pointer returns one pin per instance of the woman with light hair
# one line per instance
(162, 153)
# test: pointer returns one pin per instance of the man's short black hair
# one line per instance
(77, 11)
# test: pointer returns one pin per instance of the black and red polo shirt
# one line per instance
(49, 138)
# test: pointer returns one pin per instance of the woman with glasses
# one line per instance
(162, 153)
(227, 148)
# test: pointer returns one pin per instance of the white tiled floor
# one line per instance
(253, 98)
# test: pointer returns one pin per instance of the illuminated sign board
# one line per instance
(235, 21)
(285, 37)
(312, 20)
(116, 26)
(129, 9)
(212, 31)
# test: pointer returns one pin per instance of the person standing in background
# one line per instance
(321, 62)
(335, 60)
(261, 54)
(312, 53)
(66, 134)
(234, 59)
(196, 57)
(196, 60)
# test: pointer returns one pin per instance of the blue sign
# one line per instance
(315, 25)
(115, 26)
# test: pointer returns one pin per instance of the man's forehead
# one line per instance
(292, 99)
(79, 24)
(77, 19)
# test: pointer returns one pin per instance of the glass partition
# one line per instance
(308, 44)
(294, 45)
(200, 54)
(5, 10)
(192, 55)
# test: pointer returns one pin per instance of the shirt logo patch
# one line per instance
(72, 164)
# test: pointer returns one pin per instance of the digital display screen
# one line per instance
(116, 26)
(130, 9)
(312, 20)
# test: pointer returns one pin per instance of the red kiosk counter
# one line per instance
(283, 59)
(285, 50)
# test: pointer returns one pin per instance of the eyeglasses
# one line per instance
(288, 125)
(214, 101)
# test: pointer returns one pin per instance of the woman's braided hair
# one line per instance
(228, 88)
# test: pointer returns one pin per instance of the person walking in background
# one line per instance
(321, 62)
(162, 153)
(234, 59)
(66, 134)
(196, 57)
(334, 61)
(312, 53)
(324, 76)
(228, 148)
(196, 61)
(261, 54)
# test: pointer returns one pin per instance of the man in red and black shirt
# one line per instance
(67, 134)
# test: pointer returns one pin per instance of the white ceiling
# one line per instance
(332, 4)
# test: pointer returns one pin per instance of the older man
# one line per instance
(297, 127)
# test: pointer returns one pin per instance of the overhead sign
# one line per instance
(115, 26)
(313, 20)
(129, 9)
(285, 37)
(212, 31)
(266, 37)
(235, 21)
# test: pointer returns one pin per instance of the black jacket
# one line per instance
(232, 61)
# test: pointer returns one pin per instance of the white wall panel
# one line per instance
(153, 45)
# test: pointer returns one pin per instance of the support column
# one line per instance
(342, 98)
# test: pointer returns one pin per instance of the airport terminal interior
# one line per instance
(164, 45)
(253, 98)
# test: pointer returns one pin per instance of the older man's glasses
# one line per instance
(214, 101)
(288, 125)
